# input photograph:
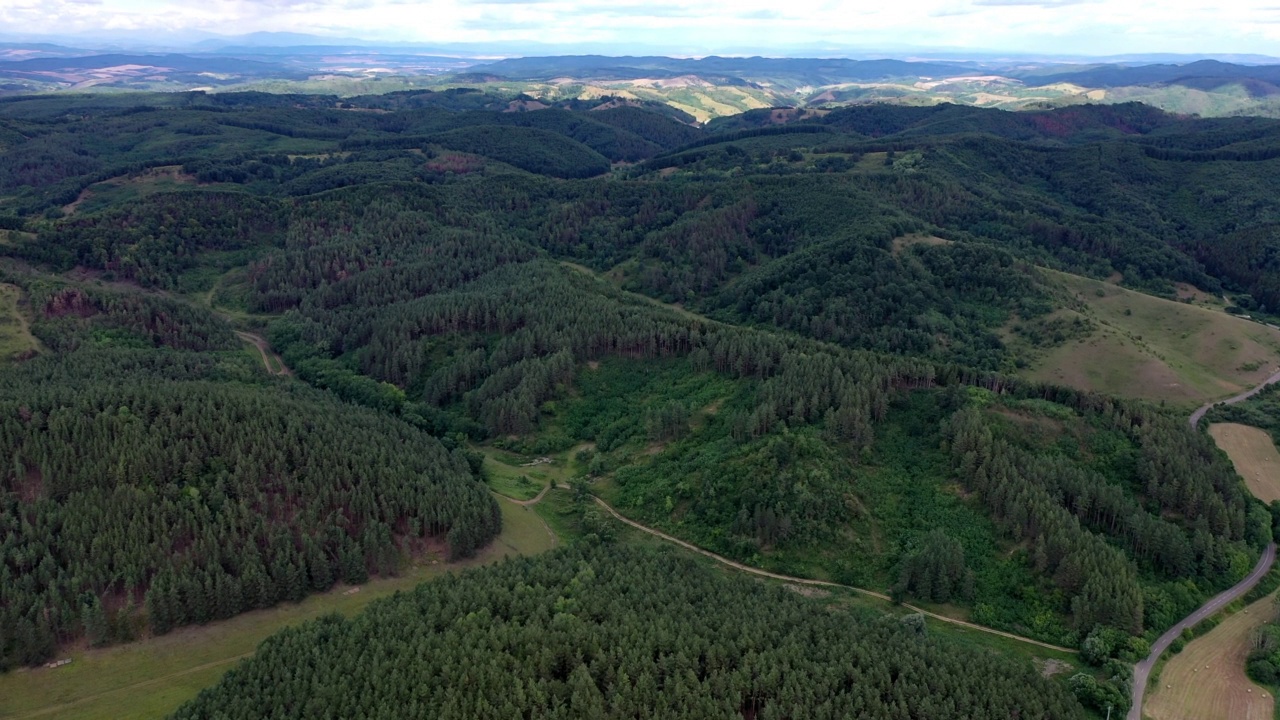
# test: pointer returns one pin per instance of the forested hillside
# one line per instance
(154, 467)
(794, 345)
(618, 633)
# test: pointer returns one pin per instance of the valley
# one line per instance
(935, 361)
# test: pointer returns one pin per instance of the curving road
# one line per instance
(1142, 670)
(819, 583)
(1199, 414)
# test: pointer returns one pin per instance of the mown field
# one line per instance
(1207, 681)
(1255, 457)
(152, 677)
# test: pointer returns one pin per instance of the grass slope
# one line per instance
(1148, 347)
(522, 477)
(152, 677)
(15, 335)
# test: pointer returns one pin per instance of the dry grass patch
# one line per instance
(1206, 681)
(906, 241)
(1156, 349)
(1254, 454)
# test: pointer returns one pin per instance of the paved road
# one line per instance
(1199, 414)
(820, 583)
(1142, 670)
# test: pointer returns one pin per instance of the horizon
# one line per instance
(809, 28)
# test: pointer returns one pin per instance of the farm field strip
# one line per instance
(1255, 455)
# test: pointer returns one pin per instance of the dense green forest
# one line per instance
(153, 466)
(615, 632)
(788, 344)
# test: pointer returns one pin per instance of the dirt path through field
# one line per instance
(56, 710)
(526, 505)
(819, 583)
(533, 500)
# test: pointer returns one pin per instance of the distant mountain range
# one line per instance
(704, 88)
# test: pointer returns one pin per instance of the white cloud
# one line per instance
(1061, 26)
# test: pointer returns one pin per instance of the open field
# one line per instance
(1206, 681)
(1156, 349)
(15, 336)
(1255, 457)
(516, 477)
(152, 677)
(129, 187)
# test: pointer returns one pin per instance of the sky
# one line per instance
(1078, 27)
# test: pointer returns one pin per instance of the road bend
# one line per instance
(1142, 671)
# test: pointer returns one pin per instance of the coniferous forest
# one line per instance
(609, 632)
(787, 344)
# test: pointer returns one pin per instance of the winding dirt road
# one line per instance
(264, 348)
(820, 583)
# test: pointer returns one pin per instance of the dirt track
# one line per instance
(267, 354)
(820, 583)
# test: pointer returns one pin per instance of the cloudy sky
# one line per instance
(764, 26)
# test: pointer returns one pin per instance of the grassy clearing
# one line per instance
(1255, 456)
(1207, 681)
(1148, 347)
(906, 241)
(12, 237)
(129, 187)
(872, 162)
(515, 477)
(16, 339)
(152, 677)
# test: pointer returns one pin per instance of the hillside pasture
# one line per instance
(1147, 347)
